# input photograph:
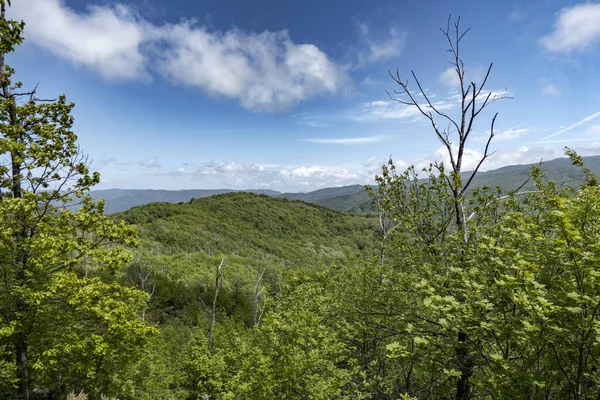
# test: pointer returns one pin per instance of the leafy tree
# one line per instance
(492, 295)
(294, 353)
(435, 235)
(61, 328)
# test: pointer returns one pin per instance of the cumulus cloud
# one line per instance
(107, 39)
(576, 29)
(238, 175)
(265, 71)
(224, 169)
(281, 177)
(319, 176)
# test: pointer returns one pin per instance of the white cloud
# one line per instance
(237, 175)
(374, 49)
(530, 155)
(509, 134)
(470, 157)
(450, 78)
(263, 71)
(388, 109)
(576, 29)
(505, 157)
(224, 169)
(345, 141)
(106, 39)
(307, 172)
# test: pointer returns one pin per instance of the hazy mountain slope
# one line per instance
(508, 178)
(352, 198)
(324, 194)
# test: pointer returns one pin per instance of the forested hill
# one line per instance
(353, 198)
(252, 225)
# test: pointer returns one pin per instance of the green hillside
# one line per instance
(252, 225)
(181, 244)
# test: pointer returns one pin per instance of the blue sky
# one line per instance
(291, 95)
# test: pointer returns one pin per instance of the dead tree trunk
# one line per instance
(213, 317)
(256, 298)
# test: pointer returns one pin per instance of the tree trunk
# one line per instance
(22, 367)
(256, 316)
(465, 361)
(213, 318)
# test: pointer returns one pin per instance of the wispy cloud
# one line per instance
(379, 111)
(510, 134)
(346, 141)
(575, 125)
(265, 71)
(565, 141)
(374, 48)
(387, 110)
(550, 89)
(593, 130)
(370, 81)
(150, 163)
(516, 15)
(576, 29)
(450, 78)
(238, 175)
(105, 163)
(370, 161)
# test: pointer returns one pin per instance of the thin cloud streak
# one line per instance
(575, 125)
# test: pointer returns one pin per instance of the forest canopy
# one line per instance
(445, 291)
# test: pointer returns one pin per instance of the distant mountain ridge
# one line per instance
(353, 198)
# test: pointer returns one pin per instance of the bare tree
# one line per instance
(141, 276)
(218, 282)
(256, 297)
(454, 134)
(473, 97)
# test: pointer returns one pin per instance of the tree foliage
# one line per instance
(62, 327)
(473, 292)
